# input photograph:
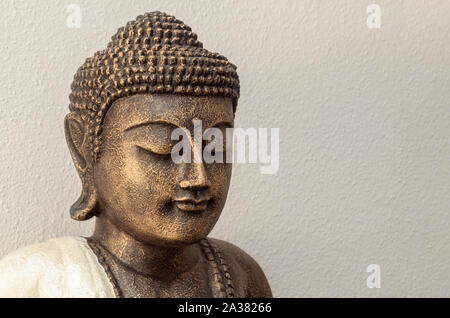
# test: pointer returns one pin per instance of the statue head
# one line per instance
(153, 77)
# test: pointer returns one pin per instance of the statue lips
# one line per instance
(192, 205)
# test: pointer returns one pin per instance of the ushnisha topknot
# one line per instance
(156, 53)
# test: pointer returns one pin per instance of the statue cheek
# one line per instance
(220, 176)
(148, 184)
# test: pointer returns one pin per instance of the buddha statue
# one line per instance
(152, 215)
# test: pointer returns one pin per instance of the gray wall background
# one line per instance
(364, 120)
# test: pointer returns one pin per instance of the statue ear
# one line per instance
(75, 136)
(87, 205)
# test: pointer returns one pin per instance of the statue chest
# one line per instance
(209, 278)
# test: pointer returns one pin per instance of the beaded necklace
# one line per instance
(222, 286)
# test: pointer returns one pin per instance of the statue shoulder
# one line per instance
(59, 267)
(248, 277)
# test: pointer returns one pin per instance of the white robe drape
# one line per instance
(64, 267)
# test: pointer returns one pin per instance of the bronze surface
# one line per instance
(153, 215)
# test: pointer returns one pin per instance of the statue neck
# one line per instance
(152, 260)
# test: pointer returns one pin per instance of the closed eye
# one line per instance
(154, 138)
(152, 152)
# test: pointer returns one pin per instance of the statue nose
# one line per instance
(196, 178)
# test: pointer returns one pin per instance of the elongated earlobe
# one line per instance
(86, 206)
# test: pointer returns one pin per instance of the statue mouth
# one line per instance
(192, 205)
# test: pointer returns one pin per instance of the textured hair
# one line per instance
(155, 53)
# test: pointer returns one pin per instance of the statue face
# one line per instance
(141, 189)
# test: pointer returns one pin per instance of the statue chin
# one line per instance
(184, 237)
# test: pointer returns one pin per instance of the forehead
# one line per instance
(179, 110)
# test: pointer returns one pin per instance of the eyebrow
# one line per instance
(222, 123)
(150, 122)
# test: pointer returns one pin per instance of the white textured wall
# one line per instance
(364, 119)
